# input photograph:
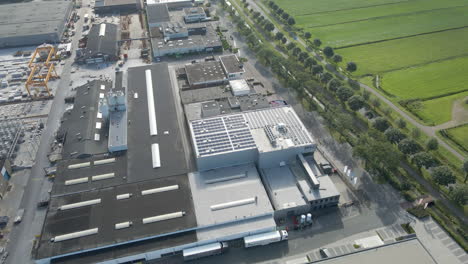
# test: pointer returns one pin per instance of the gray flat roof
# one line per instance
(281, 185)
(32, 18)
(205, 72)
(232, 184)
(410, 251)
(157, 13)
(110, 211)
(231, 64)
(169, 137)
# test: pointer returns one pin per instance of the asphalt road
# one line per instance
(22, 236)
(429, 130)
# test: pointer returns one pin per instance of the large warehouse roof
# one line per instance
(225, 195)
(266, 129)
(117, 215)
(38, 17)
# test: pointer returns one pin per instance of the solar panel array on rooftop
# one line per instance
(222, 134)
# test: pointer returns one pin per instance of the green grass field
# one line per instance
(459, 135)
(301, 7)
(437, 111)
(401, 53)
(373, 12)
(427, 81)
(342, 35)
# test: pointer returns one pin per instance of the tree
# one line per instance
(280, 11)
(317, 42)
(309, 62)
(316, 69)
(303, 56)
(344, 93)
(325, 77)
(274, 7)
(285, 16)
(333, 85)
(307, 35)
(351, 66)
(460, 194)
(356, 102)
(377, 154)
(328, 51)
(423, 159)
(337, 58)
(279, 35)
(408, 146)
(296, 51)
(365, 95)
(442, 175)
(381, 124)
(465, 169)
(291, 21)
(375, 102)
(291, 46)
(255, 15)
(432, 144)
(415, 132)
(394, 135)
(284, 40)
(401, 123)
(269, 27)
(386, 111)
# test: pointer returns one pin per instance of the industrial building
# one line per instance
(233, 68)
(204, 74)
(137, 196)
(33, 23)
(178, 28)
(113, 6)
(101, 45)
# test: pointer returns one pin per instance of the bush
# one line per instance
(408, 196)
(418, 211)
(408, 228)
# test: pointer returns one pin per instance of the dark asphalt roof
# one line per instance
(157, 14)
(119, 168)
(80, 122)
(112, 211)
(106, 44)
(172, 154)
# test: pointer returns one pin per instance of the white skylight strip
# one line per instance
(151, 109)
(123, 196)
(76, 181)
(99, 115)
(102, 30)
(159, 218)
(104, 161)
(79, 165)
(101, 95)
(123, 225)
(161, 189)
(232, 204)
(103, 176)
(80, 204)
(103, 87)
(97, 137)
(155, 155)
(98, 125)
(78, 234)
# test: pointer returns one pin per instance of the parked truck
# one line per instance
(265, 238)
(204, 251)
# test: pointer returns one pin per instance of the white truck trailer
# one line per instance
(204, 251)
(265, 238)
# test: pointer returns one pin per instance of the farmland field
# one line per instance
(417, 47)
(401, 53)
(459, 135)
(301, 7)
(360, 32)
(374, 12)
(439, 110)
(428, 81)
